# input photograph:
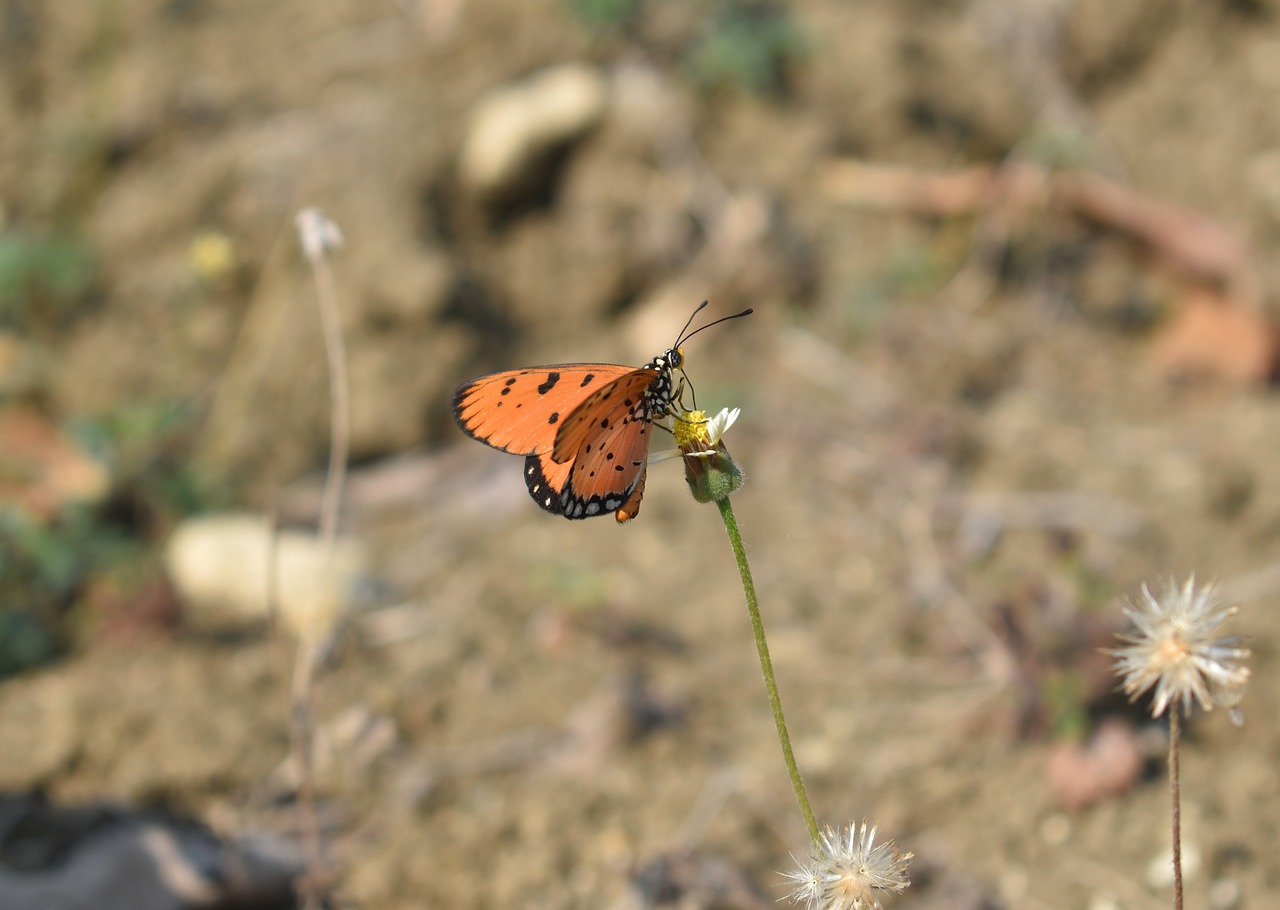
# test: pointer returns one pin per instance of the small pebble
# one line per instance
(514, 127)
(219, 566)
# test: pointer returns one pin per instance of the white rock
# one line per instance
(219, 566)
(1160, 868)
(1225, 894)
(513, 127)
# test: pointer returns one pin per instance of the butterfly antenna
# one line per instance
(683, 337)
(688, 322)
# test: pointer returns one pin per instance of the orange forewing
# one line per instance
(520, 411)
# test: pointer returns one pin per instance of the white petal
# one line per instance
(719, 425)
(664, 455)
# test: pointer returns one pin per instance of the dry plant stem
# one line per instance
(339, 411)
(311, 886)
(308, 646)
(1175, 795)
(766, 666)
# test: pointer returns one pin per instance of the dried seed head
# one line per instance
(848, 871)
(1174, 649)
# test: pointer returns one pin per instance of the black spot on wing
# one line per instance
(549, 384)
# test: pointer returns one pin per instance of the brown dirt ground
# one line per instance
(951, 479)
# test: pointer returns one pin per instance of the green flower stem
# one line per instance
(766, 665)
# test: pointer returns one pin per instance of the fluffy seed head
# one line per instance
(848, 871)
(1173, 648)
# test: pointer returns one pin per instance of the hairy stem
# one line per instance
(766, 666)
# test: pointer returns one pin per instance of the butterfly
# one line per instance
(584, 428)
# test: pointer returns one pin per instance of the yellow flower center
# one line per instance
(690, 430)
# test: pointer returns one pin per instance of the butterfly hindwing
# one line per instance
(520, 411)
(547, 485)
(631, 508)
(612, 452)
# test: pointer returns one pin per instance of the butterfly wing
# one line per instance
(605, 444)
(609, 410)
(520, 411)
(631, 508)
(583, 427)
(545, 480)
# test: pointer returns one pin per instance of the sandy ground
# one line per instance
(974, 418)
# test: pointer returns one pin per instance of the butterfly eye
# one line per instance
(675, 358)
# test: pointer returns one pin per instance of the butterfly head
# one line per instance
(668, 362)
(666, 394)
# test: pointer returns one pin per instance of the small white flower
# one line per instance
(719, 425)
(318, 232)
(845, 872)
(695, 426)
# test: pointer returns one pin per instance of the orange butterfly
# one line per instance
(582, 427)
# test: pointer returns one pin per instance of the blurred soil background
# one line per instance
(1014, 271)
